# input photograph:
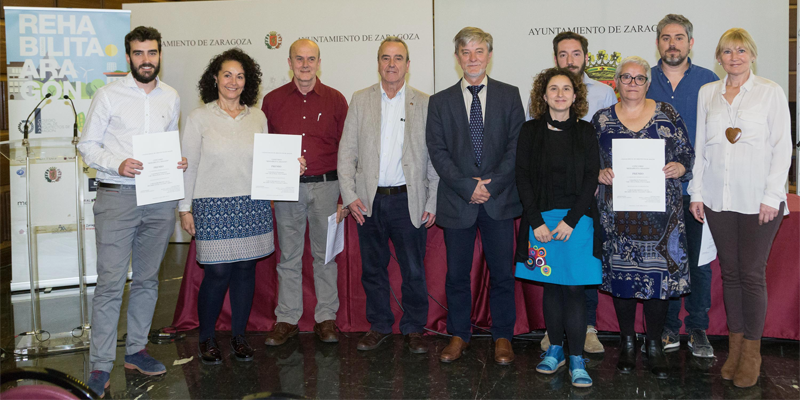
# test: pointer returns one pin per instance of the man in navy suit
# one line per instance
(472, 132)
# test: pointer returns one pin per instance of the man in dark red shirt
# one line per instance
(306, 107)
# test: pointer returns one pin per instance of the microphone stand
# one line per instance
(33, 272)
(81, 225)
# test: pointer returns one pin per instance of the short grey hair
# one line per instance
(632, 60)
(472, 34)
(676, 19)
(394, 39)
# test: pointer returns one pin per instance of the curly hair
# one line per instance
(252, 77)
(539, 106)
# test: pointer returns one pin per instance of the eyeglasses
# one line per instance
(627, 78)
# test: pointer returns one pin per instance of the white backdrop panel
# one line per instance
(523, 32)
(348, 34)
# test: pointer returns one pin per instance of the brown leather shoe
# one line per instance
(453, 350)
(503, 353)
(371, 340)
(280, 333)
(326, 331)
(416, 343)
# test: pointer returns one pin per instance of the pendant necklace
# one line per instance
(733, 133)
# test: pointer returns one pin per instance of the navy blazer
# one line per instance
(453, 157)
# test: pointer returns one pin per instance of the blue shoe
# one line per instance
(144, 363)
(553, 360)
(577, 371)
(99, 381)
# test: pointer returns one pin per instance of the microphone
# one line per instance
(74, 125)
(25, 133)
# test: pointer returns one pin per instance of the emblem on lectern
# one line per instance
(52, 174)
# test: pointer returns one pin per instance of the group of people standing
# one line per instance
(727, 155)
(465, 159)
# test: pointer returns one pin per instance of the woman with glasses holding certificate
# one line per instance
(557, 166)
(644, 253)
(232, 231)
(744, 153)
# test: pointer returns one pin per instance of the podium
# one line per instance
(61, 152)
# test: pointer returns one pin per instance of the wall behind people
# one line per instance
(523, 32)
(348, 34)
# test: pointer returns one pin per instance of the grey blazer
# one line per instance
(359, 152)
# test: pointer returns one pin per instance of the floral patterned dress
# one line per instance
(644, 254)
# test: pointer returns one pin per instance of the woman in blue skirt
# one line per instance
(557, 167)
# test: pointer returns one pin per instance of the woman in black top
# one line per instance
(557, 167)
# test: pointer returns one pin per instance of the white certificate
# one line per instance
(639, 183)
(160, 179)
(276, 171)
(335, 241)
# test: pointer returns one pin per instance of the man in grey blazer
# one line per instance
(472, 139)
(388, 183)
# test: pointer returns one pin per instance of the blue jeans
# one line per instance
(391, 220)
(698, 302)
(497, 238)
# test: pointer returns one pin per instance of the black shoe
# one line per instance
(657, 360)
(241, 349)
(627, 354)
(209, 352)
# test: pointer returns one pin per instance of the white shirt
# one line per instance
(481, 96)
(598, 95)
(120, 111)
(393, 127)
(739, 177)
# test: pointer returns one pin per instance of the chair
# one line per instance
(62, 386)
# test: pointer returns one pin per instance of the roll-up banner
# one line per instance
(59, 51)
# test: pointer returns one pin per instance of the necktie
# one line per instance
(476, 122)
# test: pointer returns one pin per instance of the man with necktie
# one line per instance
(472, 132)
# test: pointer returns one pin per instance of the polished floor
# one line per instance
(306, 367)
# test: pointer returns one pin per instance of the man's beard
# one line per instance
(580, 72)
(145, 79)
(673, 61)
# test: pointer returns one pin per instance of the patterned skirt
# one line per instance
(230, 229)
(559, 262)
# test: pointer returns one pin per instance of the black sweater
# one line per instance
(539, 167)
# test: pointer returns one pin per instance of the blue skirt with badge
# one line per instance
(559, 262)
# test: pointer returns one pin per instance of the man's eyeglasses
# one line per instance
(627, 78)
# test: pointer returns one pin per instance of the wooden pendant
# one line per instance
(733, 134)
